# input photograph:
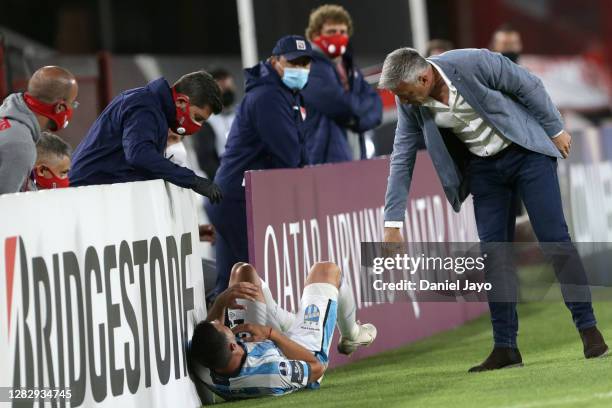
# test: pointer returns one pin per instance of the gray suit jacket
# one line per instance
(508, 97)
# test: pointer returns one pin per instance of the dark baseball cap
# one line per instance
(292, 47)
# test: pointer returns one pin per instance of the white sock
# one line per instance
(347, 322)
(278, 317)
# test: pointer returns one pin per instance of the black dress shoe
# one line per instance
(594, 344)
(500, 357)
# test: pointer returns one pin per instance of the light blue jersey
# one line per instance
(265, 371)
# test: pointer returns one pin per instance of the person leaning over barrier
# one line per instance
(128, 140)
(52, 163)
(490, 129)
(268, 350)
(47, 104)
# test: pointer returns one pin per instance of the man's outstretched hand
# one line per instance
(207, 188)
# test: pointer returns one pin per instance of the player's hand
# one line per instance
(241, 290)
(207, 233)
(209, 189)
(256, 331)
(563, 143)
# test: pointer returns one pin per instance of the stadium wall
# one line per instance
(102, 286)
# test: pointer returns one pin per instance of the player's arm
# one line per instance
(289, 348)
(227, 298)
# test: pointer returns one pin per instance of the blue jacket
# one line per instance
(506, 96)
(128, 140)
(331, 109)
(266, 133)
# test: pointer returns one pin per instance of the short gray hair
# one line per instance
(50, 144)
(402, 65)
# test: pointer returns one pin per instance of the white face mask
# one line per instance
(177, 154)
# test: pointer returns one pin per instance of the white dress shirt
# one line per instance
(479, 137)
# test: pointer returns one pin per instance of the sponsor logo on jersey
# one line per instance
(312, 315)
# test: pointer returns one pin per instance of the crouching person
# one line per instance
(274, 352)
(53, 159)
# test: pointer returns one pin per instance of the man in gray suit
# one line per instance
(491, 130)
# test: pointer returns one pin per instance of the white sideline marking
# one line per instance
(563, 401)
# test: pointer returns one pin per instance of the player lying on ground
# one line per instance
(274, 352)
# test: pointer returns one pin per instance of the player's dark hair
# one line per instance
(209, 347)
(51, 144)
(202, 90)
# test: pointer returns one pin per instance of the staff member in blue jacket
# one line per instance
(266, 134)
(340, 103)
(128, 140)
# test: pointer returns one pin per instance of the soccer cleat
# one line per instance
(365, 337)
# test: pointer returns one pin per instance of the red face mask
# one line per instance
(184, 124)
(49, 183)
(332, 45)
(59, 119)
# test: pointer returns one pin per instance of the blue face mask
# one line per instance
(295, 78)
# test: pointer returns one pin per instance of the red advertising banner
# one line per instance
(299, 216)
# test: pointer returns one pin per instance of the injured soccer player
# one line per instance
(268, 350)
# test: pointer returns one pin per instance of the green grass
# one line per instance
(433, 372)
